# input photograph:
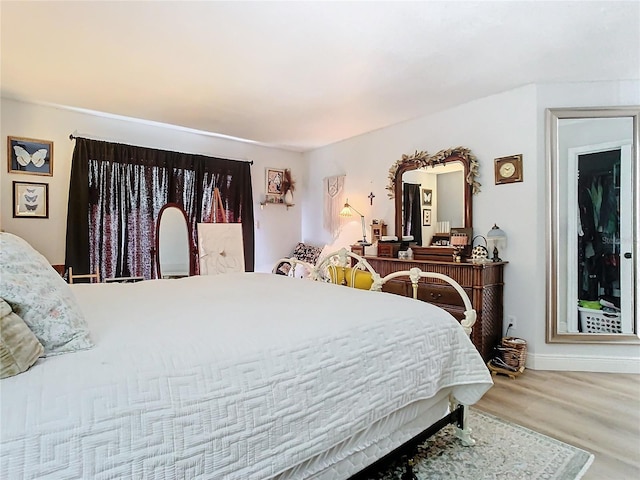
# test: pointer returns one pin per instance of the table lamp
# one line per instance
(346, 212)
(496, 238)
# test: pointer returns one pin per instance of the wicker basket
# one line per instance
(514, 352)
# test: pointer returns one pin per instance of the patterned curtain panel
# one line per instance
(116, 192)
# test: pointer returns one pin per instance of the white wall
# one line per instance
(504, 124)
(277, 229)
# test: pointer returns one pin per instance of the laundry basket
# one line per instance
(598, 321)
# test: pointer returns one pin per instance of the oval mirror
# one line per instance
(173, 243)
(434, 193)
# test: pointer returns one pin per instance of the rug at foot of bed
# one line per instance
(503, 451)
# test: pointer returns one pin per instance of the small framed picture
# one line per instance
(274, 181)
(426, 217)
(27, 155)
(426, 197)
(30, 200)
(274, 199)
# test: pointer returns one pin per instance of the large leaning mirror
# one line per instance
(174, 251)
(433, 193)
(592, 225)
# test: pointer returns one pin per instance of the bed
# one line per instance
(235, 376)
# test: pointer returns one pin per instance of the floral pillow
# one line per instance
(40, 296)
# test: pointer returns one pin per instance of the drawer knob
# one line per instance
(435, 296)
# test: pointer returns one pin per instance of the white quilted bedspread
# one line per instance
(236, 376)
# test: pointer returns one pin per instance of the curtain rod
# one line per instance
(73, 137)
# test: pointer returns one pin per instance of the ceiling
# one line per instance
(301, 75)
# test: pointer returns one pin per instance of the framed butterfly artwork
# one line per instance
(30, 200)
(28, 155)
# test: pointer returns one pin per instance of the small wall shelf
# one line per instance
(263, 203)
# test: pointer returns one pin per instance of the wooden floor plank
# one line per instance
(598, 412)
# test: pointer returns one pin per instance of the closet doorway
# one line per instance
(602, 281)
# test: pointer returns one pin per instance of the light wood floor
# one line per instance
(598, 412)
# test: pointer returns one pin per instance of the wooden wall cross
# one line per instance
(371, 197)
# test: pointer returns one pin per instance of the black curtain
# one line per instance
(116, 192)
(412, 219)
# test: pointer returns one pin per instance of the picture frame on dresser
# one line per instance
(30, 156)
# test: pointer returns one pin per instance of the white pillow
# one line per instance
(39, 295)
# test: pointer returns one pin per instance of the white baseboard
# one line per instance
(578, 363)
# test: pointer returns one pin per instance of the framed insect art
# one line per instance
(30, 200)
(427, 195)
(426, 217)
(27, 155)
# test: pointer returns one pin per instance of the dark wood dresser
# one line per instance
(483, 282)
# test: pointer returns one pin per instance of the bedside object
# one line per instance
(388, 249)
(508, 169)
(459, 241)
(479, 253)
(346, 212)
(496, 238)
(378, 230)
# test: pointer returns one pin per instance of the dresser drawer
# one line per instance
(440, 294)
(398, 287)
(388, 250)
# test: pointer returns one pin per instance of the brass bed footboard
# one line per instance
(346, 268)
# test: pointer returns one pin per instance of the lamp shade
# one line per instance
(497, 235)
(496, 238)
(346, 210)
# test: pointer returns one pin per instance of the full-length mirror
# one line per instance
(433, 193)
(174, 251)
(592, 195)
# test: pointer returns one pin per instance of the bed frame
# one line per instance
(350, 264)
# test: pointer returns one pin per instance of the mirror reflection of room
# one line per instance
(600, 238)
(173, 244)
(438, 204)
(594, 178)
(599, 230)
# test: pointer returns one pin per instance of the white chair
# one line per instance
(91, 276)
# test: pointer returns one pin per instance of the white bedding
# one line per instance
(238, 376)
